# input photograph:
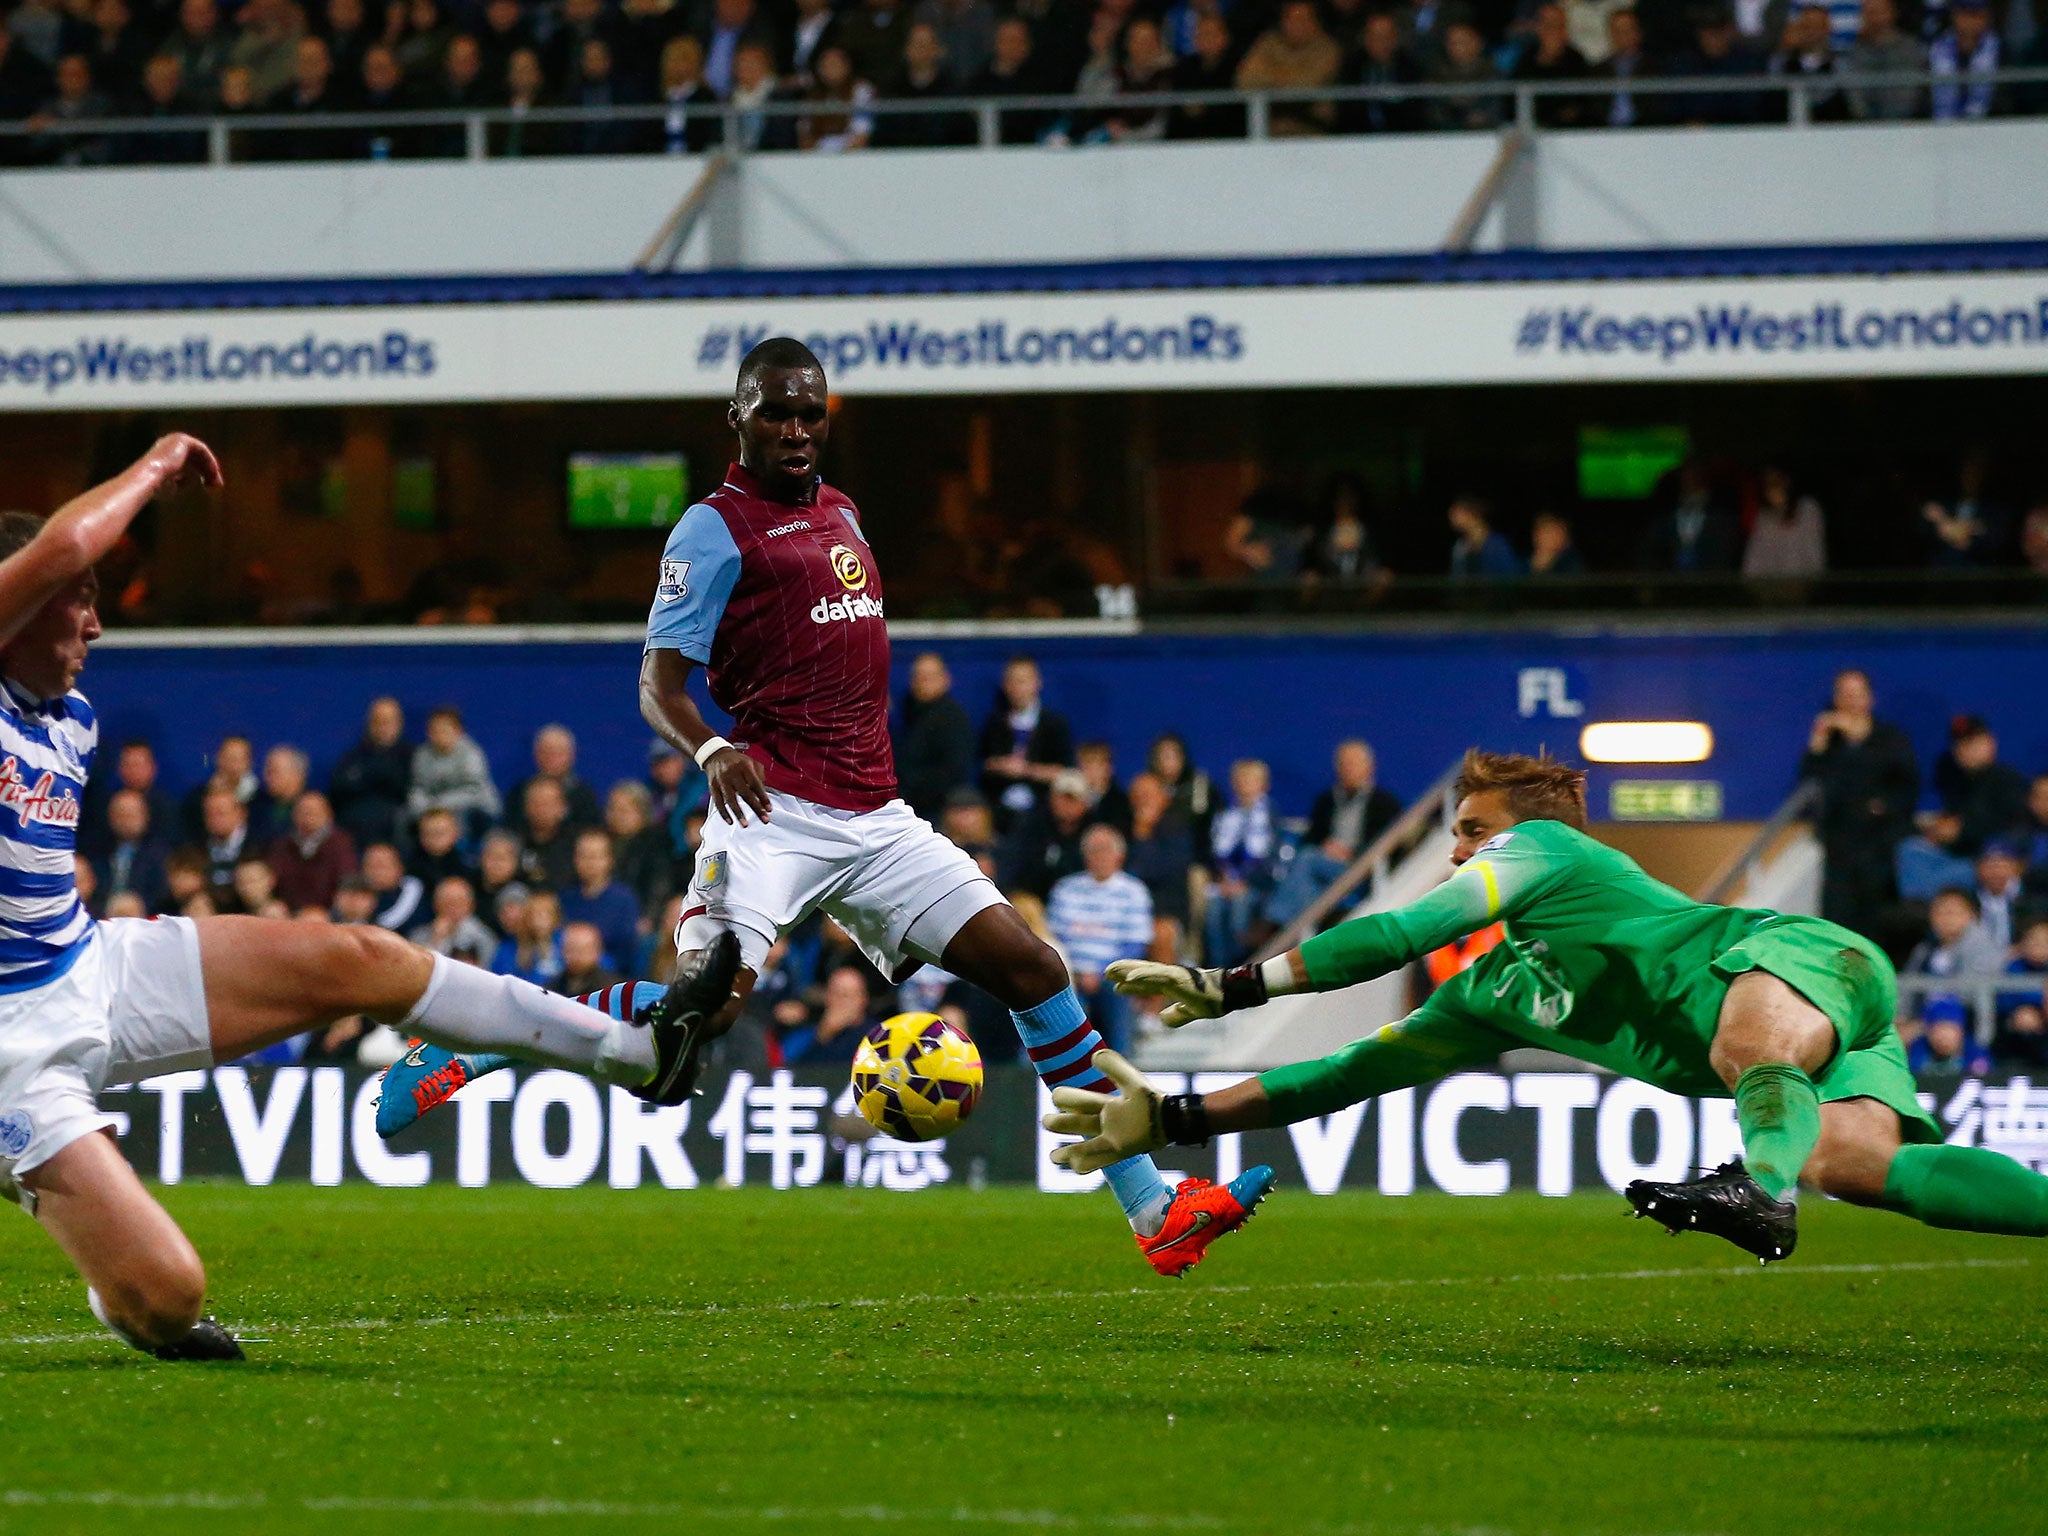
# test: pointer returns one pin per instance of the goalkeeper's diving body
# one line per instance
(1791, 1016)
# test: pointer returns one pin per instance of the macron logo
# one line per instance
(796, 527)
(861, 606)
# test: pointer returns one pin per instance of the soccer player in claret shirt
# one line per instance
(85, 1004)
(1791, 1016)
(768, 584)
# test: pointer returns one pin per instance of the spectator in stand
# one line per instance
(116, 50)
(163, 98)
(285, 772)
(463, 88)
(75, 99)
(311, 94)
(437, 851)
(1869, 782)
(1625, 61)
(525, 90)
(1927, 861)
(754, 88)
(1243, 850)
(1023, 746)
(598, 86)
(597, 897)
(549, 855)
(185, 879)
(200, 47)
(450, 771)
(1790, 537)
(582, 21)
(1698, 536)
(1100, 915)
(1342, 551)
(423, 50)
(1480, 553)
(346, 31)
(1552, 61)
(232, 761)
(1381, 62)
(267, 44)
(1147, 69)
(1295, 54)
(732, 23)
(256, 890)
(226, 832)
(2031, 838)
(401, 897)
(355, 904)
(383, 92)
(2034, 531)
(497, 871)
(533, 952)
(873, 32)
(641, 30)
(935, 748)
(1265, 540)
(1969, 532)
(678, 788)
(1956, 943)
(134, 856)
(1195, 801)
(922, 76)
(1806, 53)
(1046, 846)
(134, 768)
(640, 851)
(965, 30)
(1014, 69)
(373, 777)
(690, 128)
(312, 857)
(1464, 61)
(586, 967)
(456, 931)
(1882, 49)
(1944, 1049)
(1347, 818)
(1718, 51)
(1592, 31)
(1988, 797)
(2001, 898)
(1160, 852)
(1551, 550)
(1971, 50)
(1209, 65)
(841, 1020)
(2022, 1039)
(968, 825)
(1107, 802)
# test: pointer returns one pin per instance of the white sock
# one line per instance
(466, 1008)
(99, 1310)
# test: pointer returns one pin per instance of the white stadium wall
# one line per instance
(1766, 186)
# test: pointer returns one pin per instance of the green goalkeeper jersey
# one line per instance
(1600, 961)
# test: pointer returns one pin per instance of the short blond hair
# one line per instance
(1536, 788)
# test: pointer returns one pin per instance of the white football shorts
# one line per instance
(875, 873)
(132, 1006)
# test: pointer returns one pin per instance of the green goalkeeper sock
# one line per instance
(1778, 1109)
(1969, 1189)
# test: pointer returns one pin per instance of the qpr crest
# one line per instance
(674, 583)
(16, 1131)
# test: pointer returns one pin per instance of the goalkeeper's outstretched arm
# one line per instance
(1491, 885)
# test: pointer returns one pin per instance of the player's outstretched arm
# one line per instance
(1496, 884)
(1137, 1118)
(665, 703)
(79, 533)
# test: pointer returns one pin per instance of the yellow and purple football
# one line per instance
(916, 1077)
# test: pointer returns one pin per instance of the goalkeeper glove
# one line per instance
(1196, 992)
(1118, 1125)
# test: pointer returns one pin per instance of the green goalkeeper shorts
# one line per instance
(1847, 978)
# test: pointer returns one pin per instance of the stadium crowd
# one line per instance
(576, 890)
(1959, 892)
(71, 61)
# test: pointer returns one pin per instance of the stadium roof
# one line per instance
(1058, 277)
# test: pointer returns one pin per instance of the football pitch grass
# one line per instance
(513, 1361)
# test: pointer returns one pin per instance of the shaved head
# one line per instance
(776, 352)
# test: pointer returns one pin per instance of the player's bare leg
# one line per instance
(1863, 1158)
(1769, 1043)
(145, 1278)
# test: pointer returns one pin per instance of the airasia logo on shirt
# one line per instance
(36, 802)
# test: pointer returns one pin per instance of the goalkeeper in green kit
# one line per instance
(1792, 1016)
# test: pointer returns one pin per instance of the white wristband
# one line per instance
(1278, 974)
(714, 745)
